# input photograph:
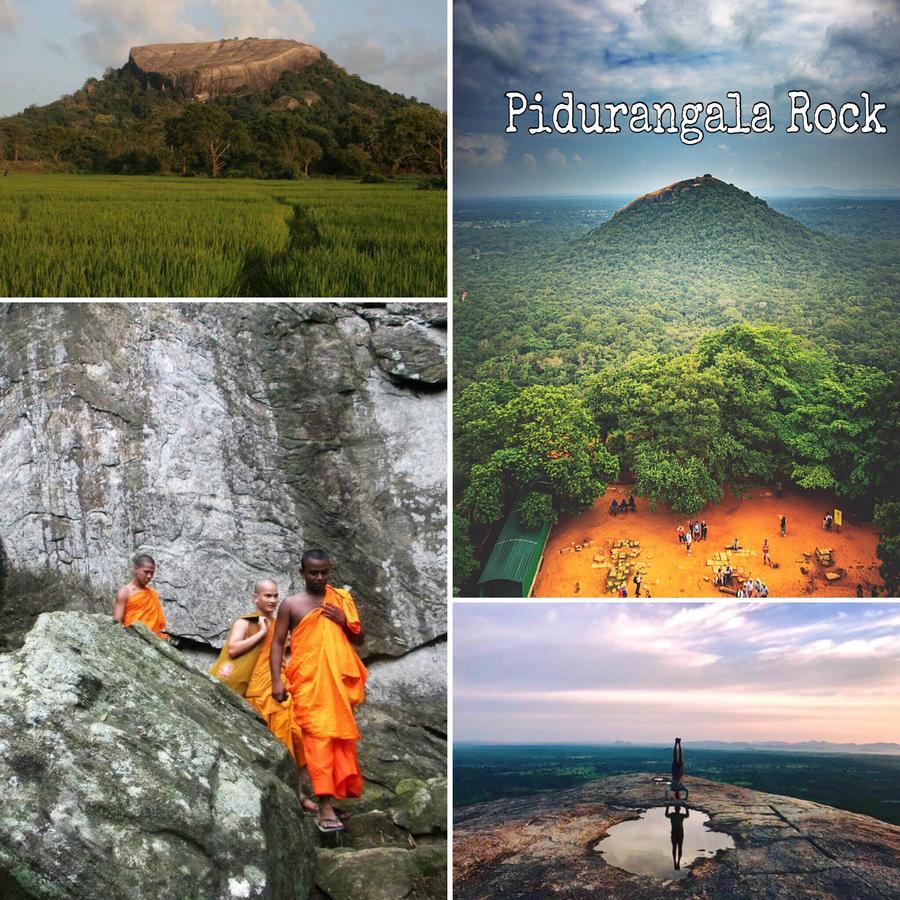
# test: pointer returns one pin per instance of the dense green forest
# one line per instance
(694, 339)
(856, 782)
(342, 126)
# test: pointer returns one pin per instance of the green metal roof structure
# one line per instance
(513, 564)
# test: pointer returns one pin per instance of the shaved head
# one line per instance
(142, 559)
(319, 556)
(261, 586)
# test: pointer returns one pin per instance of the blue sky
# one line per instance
(48, 48)
(599, 672)
(669, 50)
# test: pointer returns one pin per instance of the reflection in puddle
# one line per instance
(663, 842)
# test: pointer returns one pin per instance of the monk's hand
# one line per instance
(278, 691)
(335, 614)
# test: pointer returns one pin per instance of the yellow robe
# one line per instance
(277, 716)
(144, 606)
(326, 680)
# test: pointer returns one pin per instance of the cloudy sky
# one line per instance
(50, 47)
(669, 50)
(537, 673)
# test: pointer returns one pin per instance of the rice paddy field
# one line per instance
(120, 236)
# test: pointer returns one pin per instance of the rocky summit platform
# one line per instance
(544, 846)
(209, 69)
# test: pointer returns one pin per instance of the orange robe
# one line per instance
(144, 606)
(326, 680)
(277, 716)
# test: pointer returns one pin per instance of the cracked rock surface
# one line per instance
(223, 440)
(544, 846)
(128, 774)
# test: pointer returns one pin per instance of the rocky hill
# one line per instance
(211, 69)
(272, 108)
(544, 845)
(703, 219)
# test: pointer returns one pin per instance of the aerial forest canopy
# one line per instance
(319, 120)
(696, 339)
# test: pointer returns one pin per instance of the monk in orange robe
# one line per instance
(136, 602)
(326, 679)
(243, 665)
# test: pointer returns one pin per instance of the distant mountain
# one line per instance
(704, 219)
(801, 747)
(259, 108)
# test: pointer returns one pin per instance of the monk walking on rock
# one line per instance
(244, 665)
(136, 602)
(326, 680)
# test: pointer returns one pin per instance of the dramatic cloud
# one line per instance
(9, 18)
(666, 50)
(479, 150)
(602, 672)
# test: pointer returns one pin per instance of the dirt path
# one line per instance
(668, 571)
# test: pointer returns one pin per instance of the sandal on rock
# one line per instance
(329, 826)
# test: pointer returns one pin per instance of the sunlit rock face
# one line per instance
(202, 70)
(546, 845)
(224, 439)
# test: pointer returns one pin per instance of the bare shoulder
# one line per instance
(129, 590)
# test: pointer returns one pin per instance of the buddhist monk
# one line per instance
(326, 679)
(243, 665)
(136, 602)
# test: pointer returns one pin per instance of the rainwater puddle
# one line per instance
(646, 846)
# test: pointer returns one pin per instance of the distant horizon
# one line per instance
(663, 743)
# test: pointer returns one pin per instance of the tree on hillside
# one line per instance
(16, 140)
(417, 136)
(543, 449)
(887, 517)
(208, 132)
(308, 151)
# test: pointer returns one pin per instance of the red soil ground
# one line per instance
(670, 572)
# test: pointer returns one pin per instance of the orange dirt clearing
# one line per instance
(668, 570)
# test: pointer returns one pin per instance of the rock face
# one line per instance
(544, 846)
(223, 440)
(204, 70)
(128, 774)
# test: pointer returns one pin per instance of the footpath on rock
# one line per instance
(545, 845)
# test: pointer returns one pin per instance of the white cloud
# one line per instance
(479, 149)
(529, 160)
(114, 26)
(9, 18)
(263, 18)
(556, 157)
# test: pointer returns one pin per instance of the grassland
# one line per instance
(116, 236)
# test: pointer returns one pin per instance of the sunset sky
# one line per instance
(50, 47)
(574, 672)
(668, 50)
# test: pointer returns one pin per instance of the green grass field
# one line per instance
(118, 236)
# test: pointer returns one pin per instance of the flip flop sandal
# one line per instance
(329, 826)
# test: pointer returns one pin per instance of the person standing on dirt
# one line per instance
(696, 531)
(614, 508)
(703, 530)
(688, 539)
(766, 552)
(782, 524)
(638, 578)
(680, 532)
(631, 504)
